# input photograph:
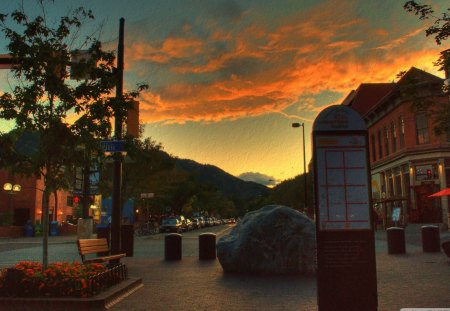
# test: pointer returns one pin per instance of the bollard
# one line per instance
(127, 239)
(446, 248)
(207, 246)
(172, 246)
(430, 239)
(396, 240)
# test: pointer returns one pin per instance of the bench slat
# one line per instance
(92, 246)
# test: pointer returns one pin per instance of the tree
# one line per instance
(145, 159)
(441, 26)
(43, 103)
(440, 29)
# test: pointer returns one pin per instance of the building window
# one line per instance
(422, 128)
(374, 150)
(69, 201)
(386, 141)
(401, 124)
(397, 182)
(394, 137)
(390, 190)
(380, 150)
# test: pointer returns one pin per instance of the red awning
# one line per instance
(441, 193)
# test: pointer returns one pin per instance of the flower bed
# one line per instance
(62, 279)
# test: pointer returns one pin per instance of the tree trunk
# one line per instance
(55, 212)
(45, 227)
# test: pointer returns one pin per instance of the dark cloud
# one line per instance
(228, 10)
(259, 178)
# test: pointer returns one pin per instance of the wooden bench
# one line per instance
(94, 246)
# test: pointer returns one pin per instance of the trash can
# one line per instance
(28, 230)
(127, 239)
(103, 231)
(396, 240)
(38, 228)
(430, 239)
(207, 246)
(53, 228)
(172, 246)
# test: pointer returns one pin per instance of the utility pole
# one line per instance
(117, 172)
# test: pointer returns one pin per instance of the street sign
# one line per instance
(112, 145)
(147, 195)
(346, 269)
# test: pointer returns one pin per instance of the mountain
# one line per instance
(228, 184)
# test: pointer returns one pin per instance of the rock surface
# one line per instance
(274, 239)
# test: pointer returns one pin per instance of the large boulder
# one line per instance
(274, 239)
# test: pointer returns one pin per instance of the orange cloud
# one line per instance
(399, 41)
(254, 71)
(171, 48)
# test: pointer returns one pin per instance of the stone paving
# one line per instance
(414, 279)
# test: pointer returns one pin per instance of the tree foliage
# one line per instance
(44, 102)
(440, 28)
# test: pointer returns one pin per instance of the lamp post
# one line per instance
(305, 184)
(11, 189)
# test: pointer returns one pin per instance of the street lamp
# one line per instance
(295, 125)
(11, 189)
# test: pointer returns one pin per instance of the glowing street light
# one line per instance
(12, 188)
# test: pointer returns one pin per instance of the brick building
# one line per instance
(27, 203)
(408, 161)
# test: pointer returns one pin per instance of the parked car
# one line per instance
(196, 223)
(209, 222)
(187, 225)
(202, 221)
(171, 224)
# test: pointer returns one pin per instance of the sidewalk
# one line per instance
(415, 279)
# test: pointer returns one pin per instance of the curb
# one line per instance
(102, 301)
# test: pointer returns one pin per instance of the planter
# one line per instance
(102, 301)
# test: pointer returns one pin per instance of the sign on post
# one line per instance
(111, 146)
(346, 277)
(147, 195)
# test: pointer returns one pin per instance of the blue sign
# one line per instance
(113, 145)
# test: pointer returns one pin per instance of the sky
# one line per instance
(227, 78)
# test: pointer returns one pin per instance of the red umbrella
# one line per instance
(441, 193)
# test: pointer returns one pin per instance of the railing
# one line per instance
(108, 278)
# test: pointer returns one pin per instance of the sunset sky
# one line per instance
(228, 77)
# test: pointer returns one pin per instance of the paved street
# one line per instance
(415, 279)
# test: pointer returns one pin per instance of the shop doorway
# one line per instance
(427, 209)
